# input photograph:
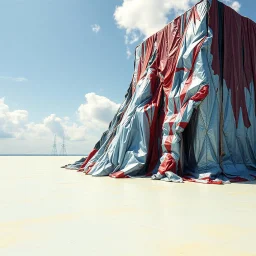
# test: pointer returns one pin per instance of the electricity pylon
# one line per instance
(63, 151)
(54, 147)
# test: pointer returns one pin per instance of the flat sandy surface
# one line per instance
(48, 211)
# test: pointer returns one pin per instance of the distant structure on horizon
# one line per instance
(54, 147)
(63, 151)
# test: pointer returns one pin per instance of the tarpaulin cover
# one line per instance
(189, 113)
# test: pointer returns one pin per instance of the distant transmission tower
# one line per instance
(63, 151)
(54, 147)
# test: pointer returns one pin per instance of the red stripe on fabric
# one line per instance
(89, 157)
(169, 164)
(155, 131)
(214, 25)
(149, 50)
(171, 123)
(175, 110)
(183, 125)
(182, 69)
(89, 168)
(237, 68)
(184, 20)
(195, 15)
(191, 73)
(168, 143)
(119, 174)
(201, 95)
(239, 57)
(145, 56)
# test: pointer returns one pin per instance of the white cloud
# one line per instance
(22, 136)
(128, 53)
(11, 122)
(142, 18)
(132, 37)
(145, 17)
(34, 130)
(95, 28)
(97, 111)
(54, 124)
(20, 79)
(77, 132)
(233, 4)
(14, 79)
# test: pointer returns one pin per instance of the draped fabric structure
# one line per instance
(189, 112)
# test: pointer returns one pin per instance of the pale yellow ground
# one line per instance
(46, 210)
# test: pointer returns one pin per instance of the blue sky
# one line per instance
(53, 66)
(51, 44)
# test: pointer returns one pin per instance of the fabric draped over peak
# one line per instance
(189, 112)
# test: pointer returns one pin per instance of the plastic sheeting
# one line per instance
(189, 113)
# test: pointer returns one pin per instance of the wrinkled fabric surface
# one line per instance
(76, 165)
(189, 113)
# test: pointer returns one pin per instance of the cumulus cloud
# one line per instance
(97, 111)
(236, 6)
(14, 79)
(131, 37)
(95, 28)
(54, 124)
(128, 53)
(233, 4)
(11, 122)
(34, 130)
(145, 17)
(93, 118)
(77, 132)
